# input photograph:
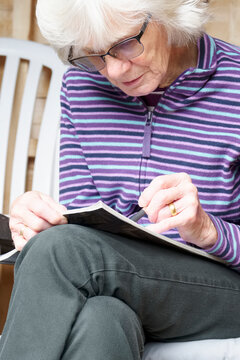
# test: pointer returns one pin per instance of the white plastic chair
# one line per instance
(38, 55)
(46, 168)
(228, 349)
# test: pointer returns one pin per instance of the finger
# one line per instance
(160, 183)
(182, 196)
(186, 216)
(167, 223)
(19, 241)
(183, 204)
(25, 232)
(55, 205)
(158, 206)
(166, 213)
(188, 204)
(48, 213)
(39, 204)
(19, 229)
(29, 219)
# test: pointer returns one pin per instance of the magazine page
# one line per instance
(9, 258)
(102, 217)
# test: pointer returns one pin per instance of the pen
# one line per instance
(138, 215)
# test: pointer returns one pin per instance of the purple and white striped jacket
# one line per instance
(112, 146)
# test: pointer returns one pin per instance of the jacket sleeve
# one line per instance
(76, 185)
(227, 246)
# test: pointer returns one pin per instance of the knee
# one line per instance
(112, 315)
(58, 244)
(106, 308)
(52, 239)
(108, 327)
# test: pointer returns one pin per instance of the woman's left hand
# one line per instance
(192, 222)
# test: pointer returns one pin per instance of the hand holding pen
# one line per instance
(171, 201)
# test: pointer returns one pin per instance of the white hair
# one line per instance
(101, 22)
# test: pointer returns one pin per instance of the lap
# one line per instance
(176, 295)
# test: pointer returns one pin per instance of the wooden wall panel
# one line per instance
(225, 20)
(235, 23)
(6, 281)
(6, 17)
(22, 19)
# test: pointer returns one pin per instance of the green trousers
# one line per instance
(82, 294)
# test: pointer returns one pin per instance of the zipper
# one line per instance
(147, 136)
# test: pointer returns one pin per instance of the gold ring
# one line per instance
(172, 209)
(21, 232)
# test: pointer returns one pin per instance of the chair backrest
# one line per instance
(45, 175)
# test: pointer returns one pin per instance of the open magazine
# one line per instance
(102, 217)
(6, 243)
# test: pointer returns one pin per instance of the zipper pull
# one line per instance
(147, 136)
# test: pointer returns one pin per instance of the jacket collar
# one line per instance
(188, 86)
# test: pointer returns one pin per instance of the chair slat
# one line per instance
(48, 142)
(6, 102)
(20, 161)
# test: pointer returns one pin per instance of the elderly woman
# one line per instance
(150, 118)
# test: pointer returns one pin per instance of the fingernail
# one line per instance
(141, 202)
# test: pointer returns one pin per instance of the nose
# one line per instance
(116, 67)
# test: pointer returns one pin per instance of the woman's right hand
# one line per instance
(32, 213)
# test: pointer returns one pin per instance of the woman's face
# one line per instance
(142, 75)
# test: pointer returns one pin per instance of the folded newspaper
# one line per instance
(102, 217)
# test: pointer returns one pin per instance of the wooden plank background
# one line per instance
(17, 20)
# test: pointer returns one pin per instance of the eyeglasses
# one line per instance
(124, 50)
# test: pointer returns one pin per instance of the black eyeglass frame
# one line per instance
(102, 56)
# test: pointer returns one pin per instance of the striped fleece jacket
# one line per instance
(112, 145)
